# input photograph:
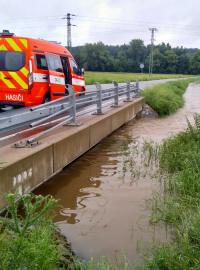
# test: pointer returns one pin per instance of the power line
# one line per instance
(133, 22)
(152, 30)
(136, 29)
(105, 20)
(102, 20)
(103, 28)
(68, 17)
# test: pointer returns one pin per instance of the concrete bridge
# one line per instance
(23, 169)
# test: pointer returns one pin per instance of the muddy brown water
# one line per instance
(106, 204)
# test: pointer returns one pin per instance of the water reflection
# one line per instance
(105, 208)
(106, 194)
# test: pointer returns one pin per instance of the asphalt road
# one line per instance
(142, 84)
(90, 88)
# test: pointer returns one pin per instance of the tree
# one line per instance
(195, 63)
(127, 58)
(136, 54)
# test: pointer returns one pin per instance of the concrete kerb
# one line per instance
(24, 169)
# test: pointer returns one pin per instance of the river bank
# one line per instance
(98, 224)
(107, 196)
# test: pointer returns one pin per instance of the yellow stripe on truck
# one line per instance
(24, 71)
(13, 44)
(24, 42)
(17, 78)
(3, 48)
(8, 83)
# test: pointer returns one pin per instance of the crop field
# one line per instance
(108, 77)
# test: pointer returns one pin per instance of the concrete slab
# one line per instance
(100, 130)
(26, 173)
(67, 150)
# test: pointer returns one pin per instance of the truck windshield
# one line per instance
(11, 61)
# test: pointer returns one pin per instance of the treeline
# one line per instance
(127, 58)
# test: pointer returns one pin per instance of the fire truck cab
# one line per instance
(34, 71)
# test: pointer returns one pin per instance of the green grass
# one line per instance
(35, 251)
(27, 239)
(166, 98)
(108, 77)
(180, 205)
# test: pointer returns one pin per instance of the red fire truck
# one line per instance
(34, 71)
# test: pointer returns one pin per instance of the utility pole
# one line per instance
(68, 17)
(152, 30)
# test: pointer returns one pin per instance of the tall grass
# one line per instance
(27, 238)
(108, 77)
(167, 98)
(180, 205)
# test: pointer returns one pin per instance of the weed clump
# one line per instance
(27, 237)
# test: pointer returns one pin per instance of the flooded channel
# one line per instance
(105, 199)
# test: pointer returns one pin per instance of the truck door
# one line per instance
(78, 81)
(56, 76)
(66, 70)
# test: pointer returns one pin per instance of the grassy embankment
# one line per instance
(166, 98)
(179, 158)
(179, 206)
(108, 77)
(29, 239)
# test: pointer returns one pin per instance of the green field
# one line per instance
(108, 77)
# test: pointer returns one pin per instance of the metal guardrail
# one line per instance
(69, 104)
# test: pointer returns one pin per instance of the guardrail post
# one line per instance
(73, 106)
(99, 99)
(116, 97)
(128, 92)
(137, 91)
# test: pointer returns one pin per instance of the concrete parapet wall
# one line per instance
(68, 149)
(23, 169)
(26, 173)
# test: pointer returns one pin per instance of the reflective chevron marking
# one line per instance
(13, 44)
(17, 78)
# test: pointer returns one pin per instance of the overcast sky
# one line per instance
(109, 21)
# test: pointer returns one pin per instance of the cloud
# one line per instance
(110, 21)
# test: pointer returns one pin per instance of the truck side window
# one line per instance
(74, 67)
(65, 65)
(41, 61)
(54, 63)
